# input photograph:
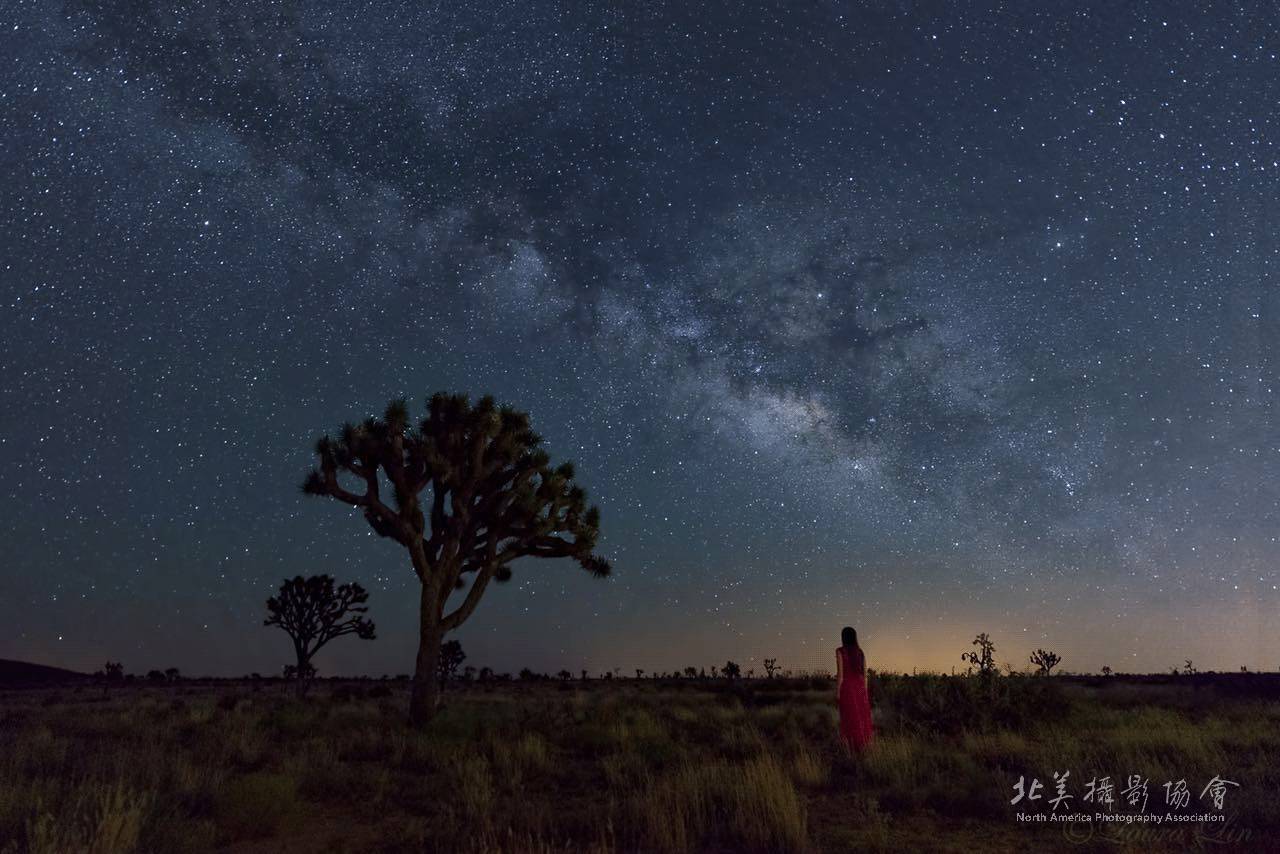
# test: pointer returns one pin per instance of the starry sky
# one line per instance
(927, 318)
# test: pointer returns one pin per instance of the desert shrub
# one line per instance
(96, 820)
(257, 804)
(749, 806)
(473, 783)
(951, 705)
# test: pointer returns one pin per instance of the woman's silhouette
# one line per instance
(851, 691)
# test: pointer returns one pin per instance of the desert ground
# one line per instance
(624, 765)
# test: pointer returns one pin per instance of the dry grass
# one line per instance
(596, 768)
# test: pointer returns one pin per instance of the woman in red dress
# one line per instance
(851, 692)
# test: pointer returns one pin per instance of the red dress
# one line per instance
(855, 703)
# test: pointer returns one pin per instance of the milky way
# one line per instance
(930, 321)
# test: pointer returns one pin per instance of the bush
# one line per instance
(256, 804)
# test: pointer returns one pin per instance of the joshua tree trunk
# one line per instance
(426, 685)
(300, 675)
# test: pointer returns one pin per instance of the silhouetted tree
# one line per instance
(771, 667)
(564, 675)
(584, 676)
(451, 658)
(172, 674)
(691, 672)
(1045, 660)
(486, 673)
(1189, 669)
(468, 673)
(984, 658)
(114, 671)
(1106, 670)
(715, 672)
(492, 497)
(303, 673)
(731, 670)
(639, 673)
(312, 611)
(156, 675)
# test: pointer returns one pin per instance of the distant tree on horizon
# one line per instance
(731, 670)
(1106, 670)
(984, 657)
(313, 612)
(172, 674)
(114, 671)
(472, 492)
(451, 658)
(691, 672)
(771, 667)
(564, 675)
(1045, 660)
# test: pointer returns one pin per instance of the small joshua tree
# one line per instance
(312, 611)
(984, 658)
(471, 492)
(1045, 660)
(301, 673)
(114, 671)
(771, 667)
(691, 672)
(639, 673)
(731, 670)
(451, 658)
(1106, 670)
(1189, 669)
(564, 675)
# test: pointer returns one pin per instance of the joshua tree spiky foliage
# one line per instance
(313, 611)
(731, 670)
(472, 491)
(1106, 670)
(1045, 660)
(771, 667)
(984, 658)
(451, 658)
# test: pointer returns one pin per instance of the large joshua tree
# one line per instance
(470, 491)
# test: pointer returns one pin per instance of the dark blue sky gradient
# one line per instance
(933, 320)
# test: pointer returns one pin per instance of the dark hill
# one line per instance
(26, 673)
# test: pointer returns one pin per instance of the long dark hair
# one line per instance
(849, 638)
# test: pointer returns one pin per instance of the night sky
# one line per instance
(927, 319)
